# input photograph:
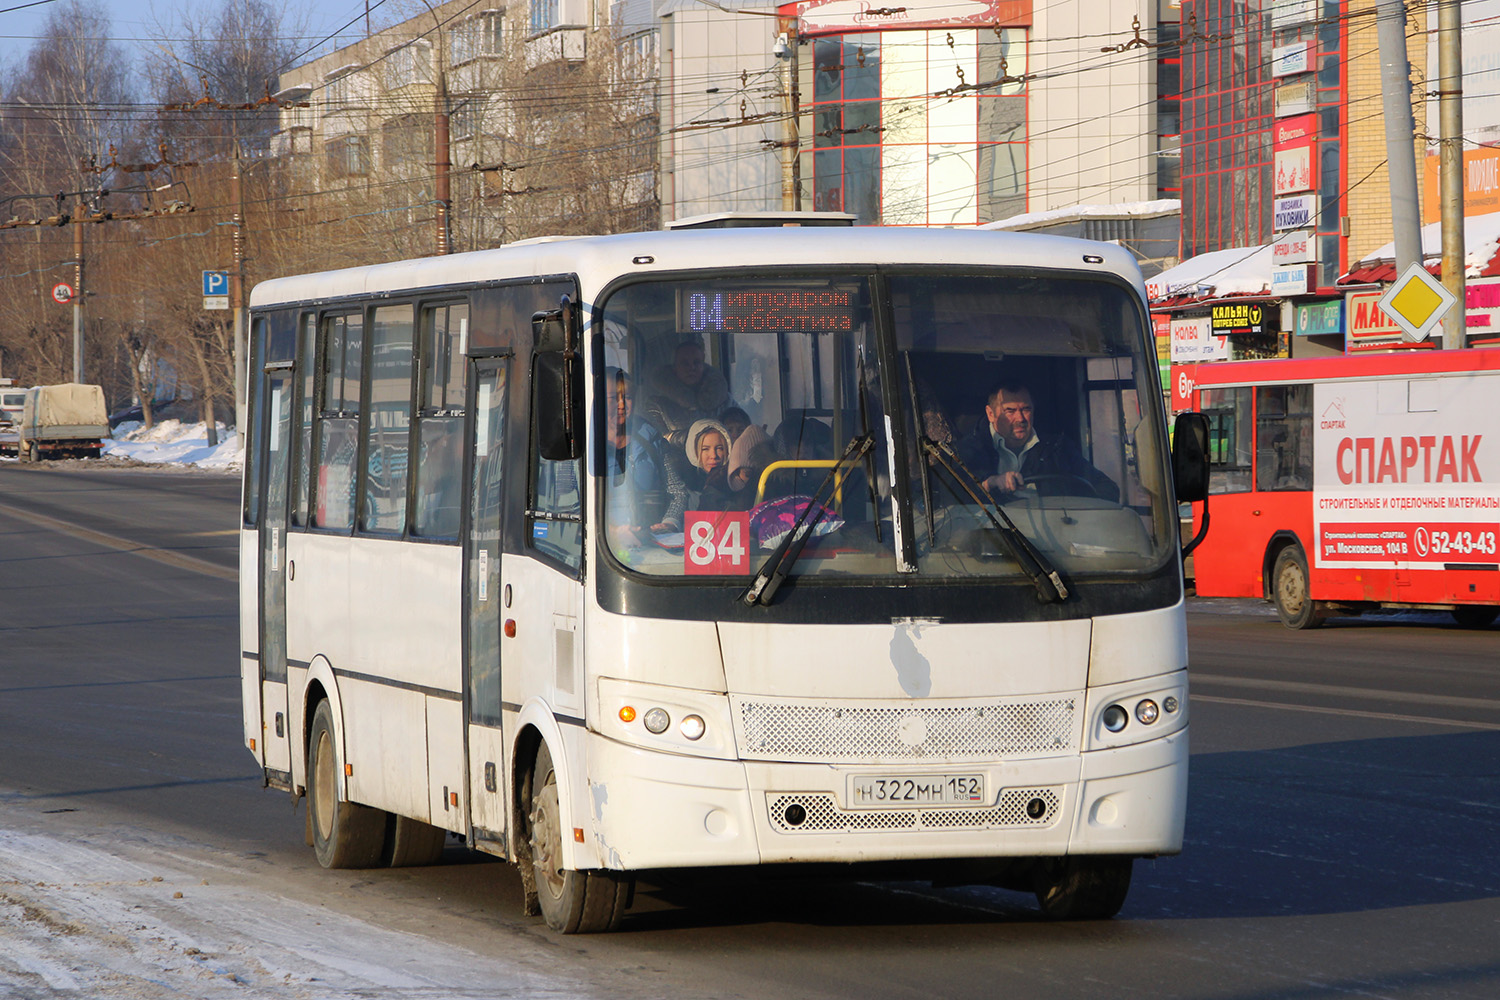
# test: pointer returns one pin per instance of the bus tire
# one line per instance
(572, 902)
(410, 843)
(345, 835)
(1289, 590)
(1083, 887)
(1475, 615)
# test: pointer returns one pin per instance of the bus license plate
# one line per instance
(892, 791)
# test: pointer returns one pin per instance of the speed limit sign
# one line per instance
(62, 293)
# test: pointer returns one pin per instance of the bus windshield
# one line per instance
(735, 408)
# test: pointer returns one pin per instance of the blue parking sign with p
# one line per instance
(215, 282)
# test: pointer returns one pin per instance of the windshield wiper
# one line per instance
(774, 570)
(1049, 586)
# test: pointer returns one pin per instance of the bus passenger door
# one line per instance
(278, 449)
(483, 600)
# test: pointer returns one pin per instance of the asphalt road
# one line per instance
(1341, 836)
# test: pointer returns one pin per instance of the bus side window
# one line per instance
(440, 420)
(338, 421)
(1284, 437)
(389, 428)
(257, 404)
(1229, 428)
(555, 513)
(307, 367)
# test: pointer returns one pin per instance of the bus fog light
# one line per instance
(1169, 704)
(1114, 718)
(657, 720)
(693, 727)
(1147, 712)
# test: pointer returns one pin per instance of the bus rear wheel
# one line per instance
(344, 835)
(1083, 887)
(410, 843)
(572, 902)
(1475, 615)
(1294, 603)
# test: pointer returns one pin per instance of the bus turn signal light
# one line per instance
(627, 714)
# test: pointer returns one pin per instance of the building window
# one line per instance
(479, 36)
(405, 141)
(920, 127)
(348, 156)
(1227, 113)
(338, 91)
(408, 65)
(543, 15)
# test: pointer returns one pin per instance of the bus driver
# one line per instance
(1005, 452)
(648, 494)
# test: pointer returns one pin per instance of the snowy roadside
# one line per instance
(134, 914)
(172, 442)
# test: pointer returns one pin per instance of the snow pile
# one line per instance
(1481, 241)
(1238, 271)
(1073, 213)
(172, 442)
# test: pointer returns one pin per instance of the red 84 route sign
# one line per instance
(62, 293)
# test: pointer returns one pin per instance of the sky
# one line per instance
(135, 22)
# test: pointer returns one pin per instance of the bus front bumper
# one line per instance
(660, 810)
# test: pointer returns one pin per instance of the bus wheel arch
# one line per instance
(1083, 887)
(1291, 591)
(571, 901)
(344, 834)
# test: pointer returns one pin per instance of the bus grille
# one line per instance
(832, 733)
(821, 814)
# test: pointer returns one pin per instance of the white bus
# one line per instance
(499, 583)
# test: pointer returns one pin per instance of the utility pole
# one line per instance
(78, 209)
(1451, 167)
(791, 166)
(1395, 86)
(237, 290)
(442, 146)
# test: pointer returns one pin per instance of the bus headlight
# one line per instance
(1114, 718)
(1146, 711)
(693, 727)
(656, 721)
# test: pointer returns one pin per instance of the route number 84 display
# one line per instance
(716, 542)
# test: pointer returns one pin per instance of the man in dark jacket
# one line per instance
(1005, 452)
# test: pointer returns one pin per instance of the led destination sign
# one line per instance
(750, 310)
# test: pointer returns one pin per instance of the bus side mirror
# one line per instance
(1190, 457)
(556, 406)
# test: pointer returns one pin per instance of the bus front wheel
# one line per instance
(1289, 589)
(344, 835)
(1083, 887)
(572, 902)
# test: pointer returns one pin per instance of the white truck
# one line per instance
(62, 421)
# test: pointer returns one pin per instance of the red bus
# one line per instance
(1345, 484)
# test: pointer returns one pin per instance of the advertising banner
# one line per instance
(1194, 340)
(1286, 13)
(1296, 167)
(1482, 306)
(1294, 248)
(1367, 324)
(1291, 280)
(1291, 131)
(1406, 473)
(1320, 318)
(1295, 212)
(1481, 184)
(1242, 318)
(1295, 98)
(820, 17)
(1289, 60)
(1183, 380)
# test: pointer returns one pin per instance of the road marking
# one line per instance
(1355, 713)
(1451, 701)
(164, 556)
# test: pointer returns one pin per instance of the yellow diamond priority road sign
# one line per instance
(1416, 302)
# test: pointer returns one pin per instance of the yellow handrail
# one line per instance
(802, 463)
